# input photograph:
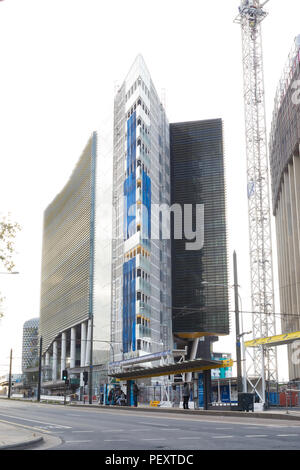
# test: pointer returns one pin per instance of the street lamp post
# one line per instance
(237, 326)
(9, 377)
(40, 371)
(240, 380)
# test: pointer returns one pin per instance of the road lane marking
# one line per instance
(154, 424)
(36, 421)
(288, 435)
(112, 430)
(116, 440)
(73, 442)
(200, 419)
(35, 428)
(153, 439)
(257, 435)
(82, 431)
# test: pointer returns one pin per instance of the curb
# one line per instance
(21, 445)
(196, 412)
(279, 416)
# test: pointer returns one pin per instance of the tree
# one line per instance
(8, 232)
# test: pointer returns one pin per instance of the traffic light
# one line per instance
(85, 377)
(65, 375)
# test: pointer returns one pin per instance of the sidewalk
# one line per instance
(17, 437)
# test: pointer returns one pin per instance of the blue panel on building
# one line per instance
(131, 144)
(146, 211)
(129, 301)
(130, 206)
(201, 391)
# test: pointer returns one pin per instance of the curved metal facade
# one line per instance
(285, 131)
(285, 173)
(67, 256)
(30, 343)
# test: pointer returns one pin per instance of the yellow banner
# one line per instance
(274, 340)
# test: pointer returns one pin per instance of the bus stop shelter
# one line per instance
(198, 365)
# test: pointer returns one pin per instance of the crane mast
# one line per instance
(251, 15)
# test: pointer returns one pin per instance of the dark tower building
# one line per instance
(199, 276)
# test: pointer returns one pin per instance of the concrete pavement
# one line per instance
(44, 426)
(17, 437)
(115, 428)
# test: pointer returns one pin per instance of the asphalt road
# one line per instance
(71, 428)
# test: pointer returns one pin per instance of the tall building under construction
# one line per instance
(141, 261)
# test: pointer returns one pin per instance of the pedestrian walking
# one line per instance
(186, 395)
(135, 394)
(111, 397)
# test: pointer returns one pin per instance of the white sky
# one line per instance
(60, 61)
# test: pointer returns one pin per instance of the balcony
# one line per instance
(142, 308)
(143, 286)
(138, 195)
(140, 133)
(142, 262)
(140, 155)
(143, 332)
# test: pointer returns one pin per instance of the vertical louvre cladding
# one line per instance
(66, 277)
(197, 177)
(285, 129)
(129, 296)
(285, 177)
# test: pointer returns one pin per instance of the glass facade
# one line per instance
(200, 277)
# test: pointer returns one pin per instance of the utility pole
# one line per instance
(92, 254)
(237, 326)
(91, 366)
(40, 371)
(9, 378)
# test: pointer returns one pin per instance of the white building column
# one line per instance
(54, 362)
(47, 364)
(88, 344)
(73, 348)
(188, 375)
(63, 352)
(82, 349)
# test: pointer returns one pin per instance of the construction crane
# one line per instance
(263, 365)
